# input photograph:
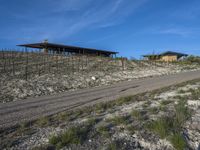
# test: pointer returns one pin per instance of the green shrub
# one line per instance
(25, 125)
(102, 107)
(104, 131)
(63, 116)
(123, 100)
(179, 97)
(182, 113)
(117, 120)
(195, 94)
(136, 114)
(131, 129)
(74, 135)
(43, 121)
(166, 102)
(77, 113)
(92, 121)
(88, 110)
(163, 108)
(178, 141)
(161, 127)
(153, 110)
(54, 140)
(172, 125)
(145, 105)
(193, 59)
(181, 91)
(112, 146)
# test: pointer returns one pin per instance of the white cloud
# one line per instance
(176, 31)
(64, 18)
(106, 15)
(173, 30)
(88, 15)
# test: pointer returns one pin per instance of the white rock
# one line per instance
(93, 78)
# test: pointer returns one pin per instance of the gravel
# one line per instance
(14, 89)
(123, 139)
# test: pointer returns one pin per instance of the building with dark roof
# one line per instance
(59, 48)
(168, 56)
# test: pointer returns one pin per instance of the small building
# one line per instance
(168, 56)
(68, 50)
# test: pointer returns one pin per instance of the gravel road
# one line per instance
(32, 108)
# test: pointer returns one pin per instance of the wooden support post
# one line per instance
(78, 63)
(4, 62)
(83, 56)
(100, 65)
(13, 64)
(122, 59)
(26, 68)
(57, 63)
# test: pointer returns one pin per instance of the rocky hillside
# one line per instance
(97, 72)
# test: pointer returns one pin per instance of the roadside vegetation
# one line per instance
(170, 127)
(148, 115)
(73, 135)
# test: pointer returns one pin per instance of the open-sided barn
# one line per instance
(168, 56)
(59, 48)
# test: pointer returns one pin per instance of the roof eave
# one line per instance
(42, 45)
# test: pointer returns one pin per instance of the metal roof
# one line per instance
(65, 47)
(173, 53)
(167, 53)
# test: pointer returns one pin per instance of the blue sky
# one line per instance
(132, 27)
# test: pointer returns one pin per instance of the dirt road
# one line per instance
(30, 109)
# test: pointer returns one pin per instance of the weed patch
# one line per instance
(43, 121)
(74, 135)
(131, 129)
(64, 116)
(136, 114)
(118, 120)
(154, 110)
(178, 141)
(104, 131)
(182, 113)
(166, 102)
(181, 91)
(113, 146)
(123, 100)
(102, 107)
(161, 127)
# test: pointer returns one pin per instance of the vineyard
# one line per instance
(24, 65)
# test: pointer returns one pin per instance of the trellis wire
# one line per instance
(24, 63)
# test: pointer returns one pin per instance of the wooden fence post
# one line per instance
(122, 60)
(13, 64)
(26, 68)
(4, 60)
(57, 63)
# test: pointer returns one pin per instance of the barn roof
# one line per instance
(173, 53)
(167, 53)
(66, 48)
